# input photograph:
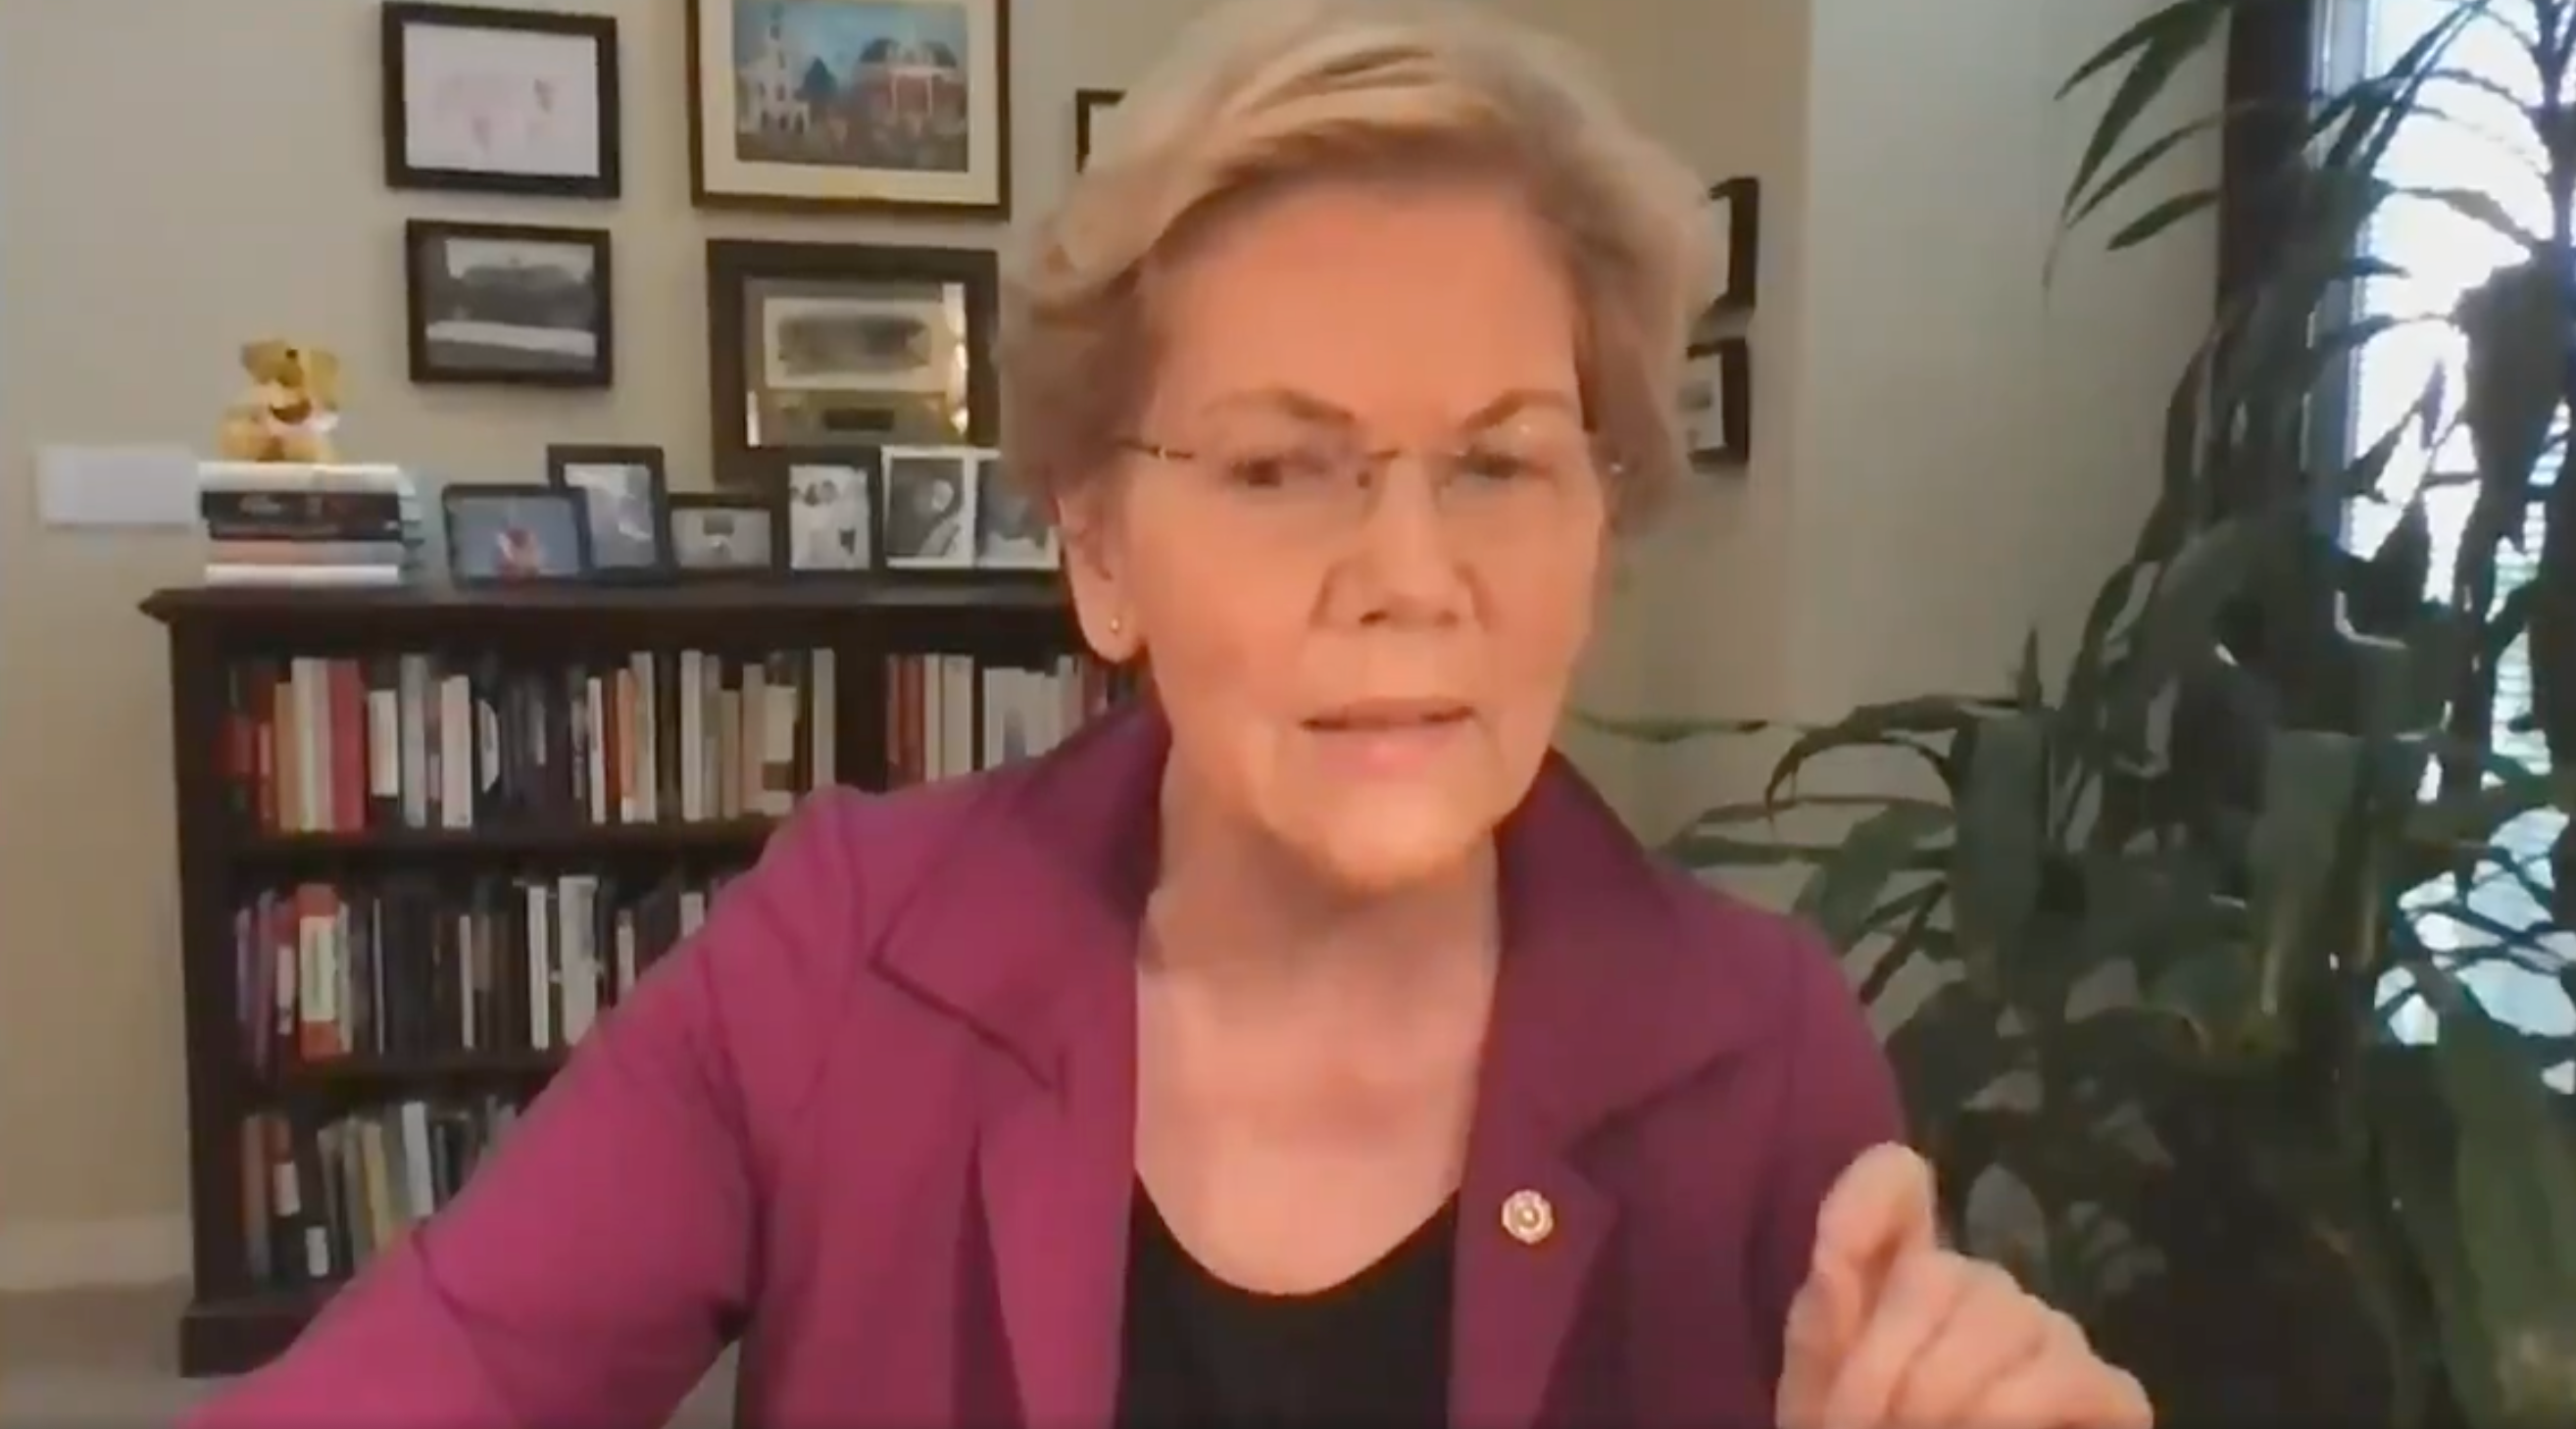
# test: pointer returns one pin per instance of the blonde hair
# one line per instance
(1265, 93)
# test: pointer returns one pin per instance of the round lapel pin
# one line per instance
(1528, 1218)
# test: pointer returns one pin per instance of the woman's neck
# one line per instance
(1233, 907)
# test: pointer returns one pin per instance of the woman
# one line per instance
(1308, 1045)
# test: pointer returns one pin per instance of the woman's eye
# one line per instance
(1269, 470)
(1496, 466)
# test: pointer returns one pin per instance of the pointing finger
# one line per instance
(1881, 1207)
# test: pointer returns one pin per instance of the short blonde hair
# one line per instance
(1266, 93)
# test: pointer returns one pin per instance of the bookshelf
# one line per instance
(425, 839)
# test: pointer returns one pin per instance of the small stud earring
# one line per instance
(1117, 626)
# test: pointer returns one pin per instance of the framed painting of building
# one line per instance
(851, 105)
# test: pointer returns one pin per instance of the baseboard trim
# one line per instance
(80, 1255)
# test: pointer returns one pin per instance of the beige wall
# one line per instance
(1911, 388)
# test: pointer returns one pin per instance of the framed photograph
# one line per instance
(509, 304)
(1092, 111)
(499, 535)
(719, 535)
(1717, 403)
(1735, 208)
(831, 505)
(839, 345)
(851, 105)
(1012, 529)
(625, 498)
(930, 508)
(500, 101)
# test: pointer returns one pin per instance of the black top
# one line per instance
(1372, 1351)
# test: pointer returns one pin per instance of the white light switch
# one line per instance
(126, 488)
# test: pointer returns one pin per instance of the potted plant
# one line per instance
(2180, 898)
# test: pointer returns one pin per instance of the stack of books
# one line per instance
(289, 523)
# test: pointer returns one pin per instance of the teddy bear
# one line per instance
(292, 405)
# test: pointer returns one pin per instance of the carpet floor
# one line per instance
(97, 1358)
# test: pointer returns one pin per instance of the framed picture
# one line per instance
(1735, 208)
(1012, 529)
(930, 508)
(1092, 110)
(500, 101)
(499, 535)
(1717, 403)
(831, 505)
(509, 304)
(851, 104)
(625, 497)
(838, 345)
(719, 535)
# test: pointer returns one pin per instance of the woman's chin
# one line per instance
(1401, 845)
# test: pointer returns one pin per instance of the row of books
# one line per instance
(303, 524)
(322, 1198)
(948, 715)
(324, 744)
(409, 969)
(321, 744)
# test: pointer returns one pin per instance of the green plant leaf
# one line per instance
(1848, 887)
(1648, 729)
(2311, 794)
(2516, 325)
(2516, 1195)
(1895, 724)
(1996, 860)
(2155, 48)
(2179, 625)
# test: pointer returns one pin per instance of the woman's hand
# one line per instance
(1890, 1329)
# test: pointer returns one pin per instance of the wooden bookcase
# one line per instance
(235, 654)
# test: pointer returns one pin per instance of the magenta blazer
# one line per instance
(877, 1119)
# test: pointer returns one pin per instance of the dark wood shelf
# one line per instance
(399, 1072)
(712, 836)
(234, 1322)
(233, 1333)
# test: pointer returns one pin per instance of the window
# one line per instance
(2482, 142)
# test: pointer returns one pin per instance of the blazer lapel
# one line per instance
(1036, 952)
(1056, 1166)
(1602, 1003)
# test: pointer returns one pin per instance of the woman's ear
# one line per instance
(1094, 571)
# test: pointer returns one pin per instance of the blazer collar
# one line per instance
(1604, 998)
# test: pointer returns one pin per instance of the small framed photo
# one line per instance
(851, 105)
(715, 535)
(831, 501)
(930, 508)
(1012, 528)
(500, 101)
(1092, 111)
(508, 304)
(626, 513)
(1717, 403)
(503, 535)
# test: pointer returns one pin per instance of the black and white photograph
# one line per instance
(930, 508)
(831, 512)
(625, 504)
(483, 100)
(1012, 532)
(509, 304)
(723, 535)
(503, 534)
(1717, 403)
